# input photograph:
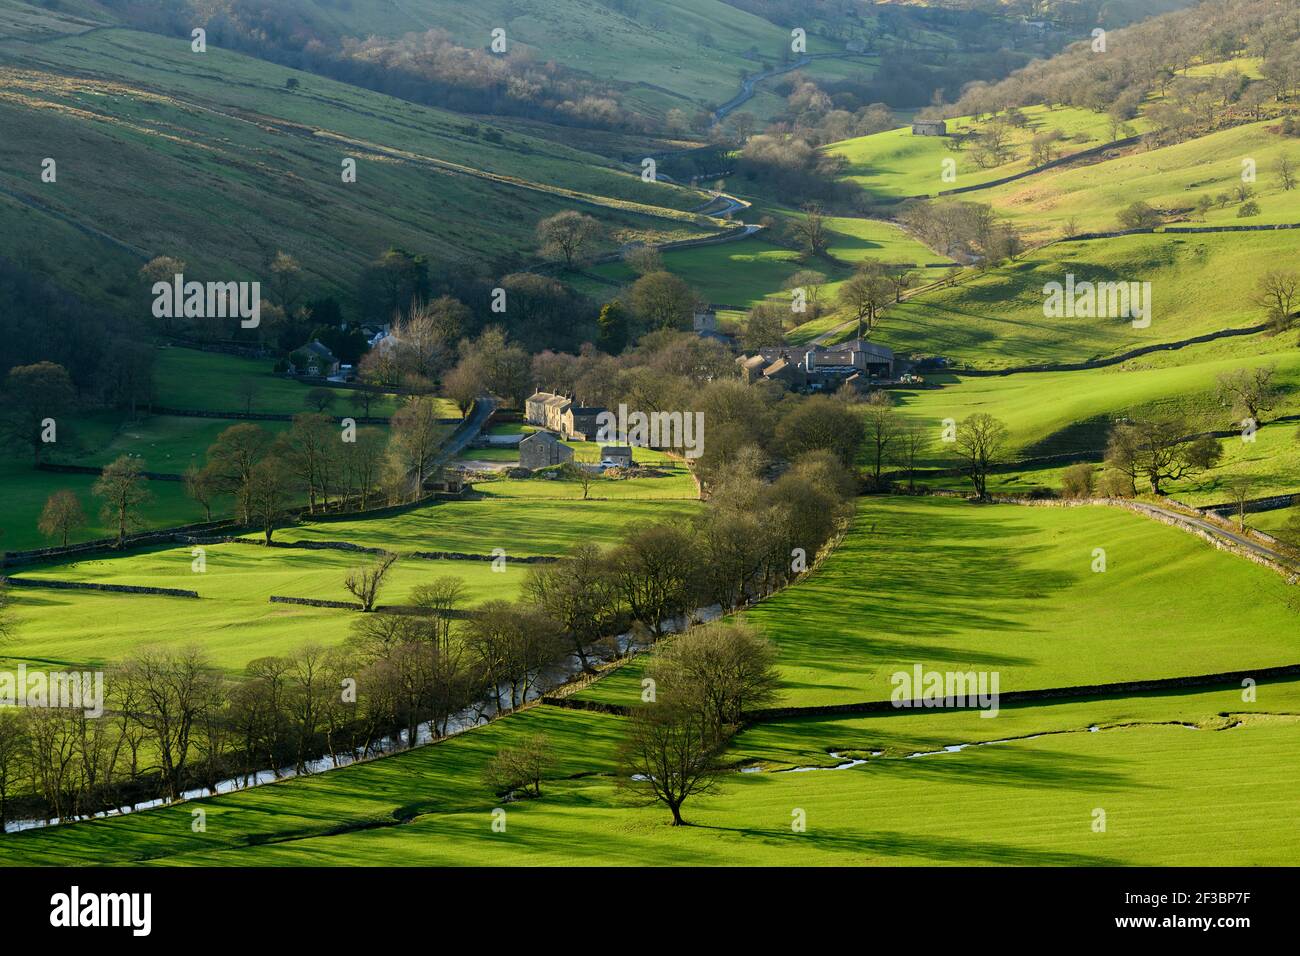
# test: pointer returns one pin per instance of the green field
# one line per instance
(895, 164)
(237, 151)
(210, 382)
(1159, 783)
(25, 490)
(955, 586)
(1004, 588)
(1054, 412)
(1171, 179)
(1199, 284)
(1272, 460)
(521, 526)
(234, 621)
(752, 270)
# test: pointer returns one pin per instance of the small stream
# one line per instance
(467, 719)
(847, 763)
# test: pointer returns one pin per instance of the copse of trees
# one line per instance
(791, 166)
(106, 359)
(36, 397)
(1149, 59)
(963, 230)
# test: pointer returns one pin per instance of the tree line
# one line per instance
(174, 722)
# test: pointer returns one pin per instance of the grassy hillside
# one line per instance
(1164, 766)
(1047, 412)
(234, 156)
(1008, 589)
(1171, 179)
(1199, 284)
(895, 164)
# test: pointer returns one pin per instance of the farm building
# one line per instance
(618, 456)
(930, 128)
(857, 362)
(542, 449)
(559, 414)
(320, 360)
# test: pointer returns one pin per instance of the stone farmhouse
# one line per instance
(930, 128)
(559, 414)
(801, 368)
(541, 450)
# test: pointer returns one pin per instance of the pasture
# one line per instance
(1055, 412)
(1171, 179)
(895, 164)
(233, 146)
(1005, 588)
(1198, 285)
(192, 380)
(1159, 781)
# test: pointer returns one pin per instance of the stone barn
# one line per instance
(541, 450)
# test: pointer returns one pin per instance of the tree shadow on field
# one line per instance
(900, 572)
(937, 849)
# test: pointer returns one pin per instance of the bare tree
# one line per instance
(175, 688)
(320, 399)
(1251, 391)
(1240, 489)
(519, 768)
(1277, 293)
(416, 437)
(61, 516)
(246, 390)
(654, 572)
(882, 429)
(311, 449)
(567, 235)
(578, 593)
(669, 755)
(981, 440)
(864, 296)
(720, 669)
(231, 459)
(909, 444)
(270, 494)
(123, 488)
(15, 746)
(201, 487)
(1286, 172)
(364, 582)
(810, 230)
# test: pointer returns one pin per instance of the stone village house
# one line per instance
(541, 450)
(803, 368)
(562, 415)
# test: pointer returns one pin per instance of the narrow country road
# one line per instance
(483, 409)
(1217, 531)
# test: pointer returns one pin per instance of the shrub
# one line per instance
(1078, 481)
(1114, 484)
